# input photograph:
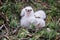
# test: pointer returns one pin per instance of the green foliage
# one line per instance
(23, 33)
(1, 21)
(51, 2)
(32, 26)
(13, 23)
(52, 25)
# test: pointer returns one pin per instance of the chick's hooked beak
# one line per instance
(28, 11)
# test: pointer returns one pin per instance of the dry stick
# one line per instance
(1, 27)
(16, 31)
(6, 30)
(2, 16)
(0, 36)
(5, 21)
(0, 3)
(6, 37)
(5, 25)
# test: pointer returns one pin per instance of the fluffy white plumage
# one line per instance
(28, 18)
(25, 22)
(38, 23)
(40, 14)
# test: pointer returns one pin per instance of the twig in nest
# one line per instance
(24, 38)
(2, 16)
(0, 36)
(6, 37)
(1, 27)
(29, 35)
(58, 37)
(6, 30)
(0, 2)
(15, 31)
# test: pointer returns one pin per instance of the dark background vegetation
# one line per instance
(10, 17)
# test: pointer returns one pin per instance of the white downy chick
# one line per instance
(28, 13)
(40, 14)
(29, 18)
(39, 23)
